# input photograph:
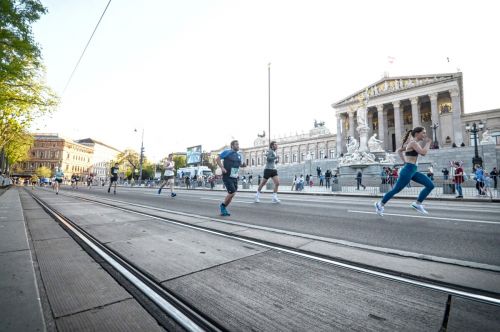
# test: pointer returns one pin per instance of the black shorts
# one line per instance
(270, 173)
(114, 178)
(231, 184)
(59, 180)
(168, 177)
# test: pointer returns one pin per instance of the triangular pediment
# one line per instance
(387, 85)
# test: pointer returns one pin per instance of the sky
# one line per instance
(195, 72)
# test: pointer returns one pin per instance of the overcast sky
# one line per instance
(196, 71)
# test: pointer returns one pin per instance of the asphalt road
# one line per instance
(460, 231)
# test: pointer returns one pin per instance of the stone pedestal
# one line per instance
(363, 138)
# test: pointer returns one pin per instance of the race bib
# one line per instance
(234, 172)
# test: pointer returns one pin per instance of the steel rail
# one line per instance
(148, 287)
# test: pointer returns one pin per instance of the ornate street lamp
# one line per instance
(476, 160)
(434, 127)
(141, 158)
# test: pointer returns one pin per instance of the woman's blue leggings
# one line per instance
(408, 173)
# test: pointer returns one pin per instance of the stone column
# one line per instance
(456, 113)
(415, 114)
(382, 124)
(340, 134)
(435, 116)
(351, 123)
(397, 122)
(369, 121)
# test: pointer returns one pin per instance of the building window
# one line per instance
(247, 162)
(253, 162)
(258, 161)
(496, 137)
(321, 154)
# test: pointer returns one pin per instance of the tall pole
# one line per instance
(269, 100)
(141, 157)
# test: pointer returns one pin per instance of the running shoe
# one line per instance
(419, 208)
(275, 200)
(159, 191)
(173, 195)
(379, 209)
(223, 211)
(109, 190)
(257, 199)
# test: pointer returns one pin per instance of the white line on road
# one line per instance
(429, 217)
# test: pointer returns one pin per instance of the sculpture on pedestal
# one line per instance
(487, 138)
(374, 144)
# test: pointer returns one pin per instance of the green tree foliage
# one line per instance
(43, 172)
(180, 161)
(18, 148)
(23, 93)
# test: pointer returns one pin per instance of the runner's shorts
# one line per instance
(168, 177)
(231, 184)
(270, 173)
(114, 178)
(59, 180)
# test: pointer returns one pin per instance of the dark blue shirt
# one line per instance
(231, 162)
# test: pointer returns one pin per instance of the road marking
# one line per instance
(429, 217)
(221, 199)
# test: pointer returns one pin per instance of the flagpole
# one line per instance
(269, 100)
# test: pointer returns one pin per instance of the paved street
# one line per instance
(466, 232)
(248, 286)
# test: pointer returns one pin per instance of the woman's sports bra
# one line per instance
(412, 153)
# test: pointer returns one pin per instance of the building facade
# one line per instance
(396, 104)
(52, 151)
(318, 143)
(102, 156)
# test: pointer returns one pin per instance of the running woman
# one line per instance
(59, 175)
(114, 178)
(168, 176)
(232, 163)
(409, 171)
(270, 172)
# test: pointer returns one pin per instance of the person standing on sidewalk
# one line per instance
(359, 179)
(270, 172)
(458, 179)
(494, 176)
(168, 175)
(230, 168)
(409, 171)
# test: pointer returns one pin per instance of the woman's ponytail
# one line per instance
(405, 138)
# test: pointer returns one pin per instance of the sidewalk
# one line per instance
(20, 307)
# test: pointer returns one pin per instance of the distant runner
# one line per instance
(59, 175)
(270, 172)
(230, 168)
(113, 178)
(168, 176)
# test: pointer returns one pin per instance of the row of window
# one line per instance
(292, 158)
(45, 154)
(52, 166)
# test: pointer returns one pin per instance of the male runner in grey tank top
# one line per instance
(270, 171)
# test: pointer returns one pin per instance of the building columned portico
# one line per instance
(397, 104)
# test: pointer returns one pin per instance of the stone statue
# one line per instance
(374, 144)
(352, 145)
(389, 159)
(487, 138)
(361, 115)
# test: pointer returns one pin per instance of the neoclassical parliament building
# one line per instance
(395, 104)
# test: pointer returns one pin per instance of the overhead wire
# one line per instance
(86, 46)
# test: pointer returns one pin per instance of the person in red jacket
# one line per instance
(458, 179)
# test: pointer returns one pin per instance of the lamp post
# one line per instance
(476, 160)
(141, 158)
(434, 137)
(269, 100)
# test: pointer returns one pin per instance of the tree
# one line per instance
(180, 161)
(43, 172)
(23, 93)
(17, 149)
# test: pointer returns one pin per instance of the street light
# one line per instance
(476, 160)
(434, 138)
(141, 158)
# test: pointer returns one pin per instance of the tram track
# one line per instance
(443, 287)
(145, 289)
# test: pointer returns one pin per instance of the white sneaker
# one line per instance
(257, 199)
(276, 200)
(379, 209)
(419, 208)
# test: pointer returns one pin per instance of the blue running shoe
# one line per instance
(173, 195)
(223, 211)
